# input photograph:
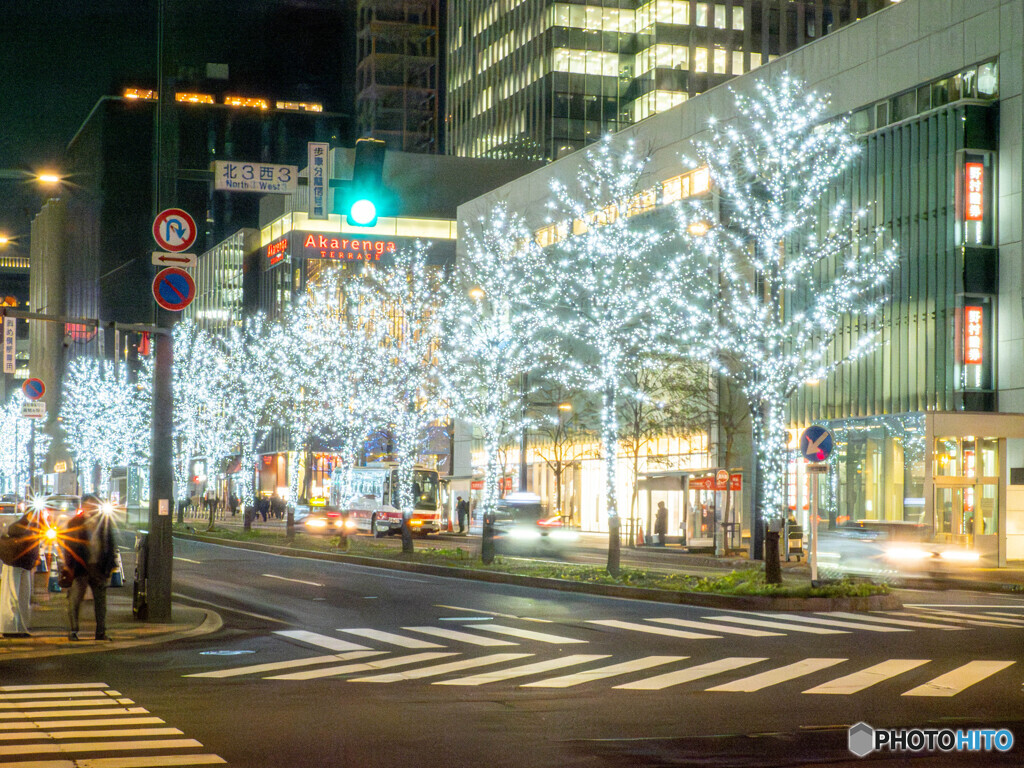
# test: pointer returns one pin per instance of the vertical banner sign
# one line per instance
(974, 191)
(10, 343)
(317, 154)
(973, 336)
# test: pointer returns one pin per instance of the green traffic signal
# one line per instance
(363, 212)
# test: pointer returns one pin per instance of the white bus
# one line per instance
(374, 505)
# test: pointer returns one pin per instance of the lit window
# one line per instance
(194, 98)
(702, 14)
(720, 17)
(737, 18)
(737, 62)
(700, 60)
(243, 101)
(300, 106)
(720, 59)
(140, 93)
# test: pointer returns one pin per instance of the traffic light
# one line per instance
(366, 195)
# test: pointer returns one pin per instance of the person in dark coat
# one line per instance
(233, 504)
(462, 511)
(19, 551)
(91, 553)
(661, 522)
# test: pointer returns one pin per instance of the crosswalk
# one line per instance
(485, 653)
(69, 725)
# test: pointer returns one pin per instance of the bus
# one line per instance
(374, 505)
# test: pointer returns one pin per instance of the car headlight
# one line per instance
(316, 522)
(961, 555)
(564, 535)
(415, 523)
(907, 554)
(524, 533)
(350, 524)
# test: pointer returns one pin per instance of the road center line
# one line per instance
(293, 581)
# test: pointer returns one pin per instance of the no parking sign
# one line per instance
(174, 289)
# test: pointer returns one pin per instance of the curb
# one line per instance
(701, 599)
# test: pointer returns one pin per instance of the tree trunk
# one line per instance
(609, 442)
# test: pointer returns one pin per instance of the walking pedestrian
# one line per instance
(91, 554)
(462, 511)
(233, 504)
(661, 523)
(21, 555)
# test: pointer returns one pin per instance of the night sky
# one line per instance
(57, 57)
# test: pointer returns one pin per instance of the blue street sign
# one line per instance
(816, 443)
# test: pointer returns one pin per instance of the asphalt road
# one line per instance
(327, 664)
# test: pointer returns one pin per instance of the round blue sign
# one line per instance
(174, 289)
(33, 388)
(816, 443)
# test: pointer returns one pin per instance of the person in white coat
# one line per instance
(16, 577)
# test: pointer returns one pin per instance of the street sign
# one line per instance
(33, 410)
(10, 344)
(33, 388)
(174, 289)
(174, 230)
(266, 178)
(722, 480)
(816, 443)
(186, 260)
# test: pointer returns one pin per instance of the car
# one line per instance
(61, 507)
(10, 504)
(523, 525)
(323, 520)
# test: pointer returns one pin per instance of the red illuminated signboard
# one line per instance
(973, 335)
(276, 251)
(974, 193)
(325, 247)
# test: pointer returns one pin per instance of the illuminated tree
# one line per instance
(397, 306)
(608, 288)
(792, 267)
(14, 448)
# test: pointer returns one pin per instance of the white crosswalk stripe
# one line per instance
(461, 637)
(526, 634)
(719, 628)
(883, 619)
(523, 671)
(831, 622)
(778, 625)
(70, 738)
(613, 670)
(273, 666)
(654, 630)
(441, 669)
(370, 666)
(1015, 617)
(321, 641)
(391, 638)
(689, 674)
(959, 679)
(866, 678)
(778, 675)
(970, 618)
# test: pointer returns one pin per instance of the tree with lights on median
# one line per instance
(794, 269)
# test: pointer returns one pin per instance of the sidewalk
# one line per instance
(49, 627)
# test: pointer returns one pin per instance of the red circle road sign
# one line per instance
(33, 388)
(174, 289)
(174, 230)
(722, 479)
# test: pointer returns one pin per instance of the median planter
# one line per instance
(708, 599)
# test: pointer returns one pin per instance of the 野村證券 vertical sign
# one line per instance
(318, 153)
(973, 336)
(974, 191)
(10, 343)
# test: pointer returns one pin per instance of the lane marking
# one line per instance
(898, 622)
(52, 695)
(587, 676)
(149, 761)
(491, 613)
(321, 641)
(370, 666)
(90, 734)
(462, 637)
(76, 712)
(719, 628)
(523, 671)
(996, 622)
(873, 675)
(75, 703)
(654, 630)
(955, 617)
(45, 724)
(660, 682)
(239, 611)
(255, 669)
(188, 560)
(53, 686)
(779, 625)
(391, 637)
(527, 634)
(961, 678)
(441, 669)
(465, 618)
(776, 676)
(293, 581)
(103, 746)
(831, 623)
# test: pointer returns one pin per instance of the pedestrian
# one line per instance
(91, 554)
(263, 507)
(20, 556)
(233, 504)
(462, 511)
(661, 523)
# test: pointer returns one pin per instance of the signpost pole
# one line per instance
(815, 472)
(32, 457)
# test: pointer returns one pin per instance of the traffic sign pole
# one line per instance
(815, 471)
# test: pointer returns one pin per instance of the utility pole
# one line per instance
(159, 544)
